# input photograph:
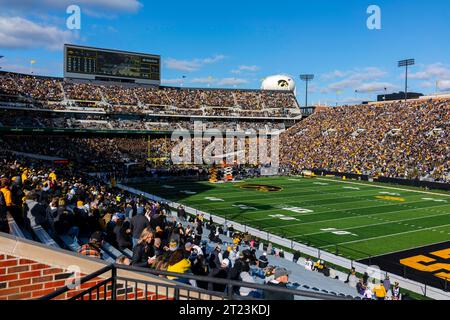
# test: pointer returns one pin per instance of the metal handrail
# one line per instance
(230, 284)
(85, 279)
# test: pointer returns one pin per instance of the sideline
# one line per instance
(385, 187)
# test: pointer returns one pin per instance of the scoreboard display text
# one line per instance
(111, 63)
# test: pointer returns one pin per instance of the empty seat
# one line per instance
(111, 250)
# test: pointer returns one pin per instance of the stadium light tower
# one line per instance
(406, 63)
(306, 78)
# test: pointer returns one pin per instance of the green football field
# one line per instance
(359, 219)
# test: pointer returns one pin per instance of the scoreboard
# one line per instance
(101, 64)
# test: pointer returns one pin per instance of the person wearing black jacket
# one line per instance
(138, 223)
(281, 278)
(219, 273)
(143, 252)
(158, 220)
(122, 233)
(297, 255)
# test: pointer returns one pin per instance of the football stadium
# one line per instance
(127, 174)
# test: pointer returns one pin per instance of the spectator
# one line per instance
(220, 272)
(281, 278)
(379, 291)
(387, 283)
(4, 226)
(143, 252)
(297, 255)
(138, 223)
(122, 233)
(178, 264)
(35, 212)
(246, 277)
(92, 248)
(396, 294)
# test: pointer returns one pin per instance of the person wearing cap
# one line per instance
(280, 280)
(221, 272)
(92, 248)
(138, 223)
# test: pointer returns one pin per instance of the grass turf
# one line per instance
(353, 219)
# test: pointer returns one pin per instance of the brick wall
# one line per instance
(23, 279)
(27, 279)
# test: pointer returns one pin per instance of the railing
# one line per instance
(115, 287)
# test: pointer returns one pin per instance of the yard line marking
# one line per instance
(383, 223)
(390, 194)
(385, 236)
(387, 187)
(346, 218)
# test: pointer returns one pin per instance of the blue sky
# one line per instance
(235, 44)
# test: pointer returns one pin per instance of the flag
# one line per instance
(33, 61)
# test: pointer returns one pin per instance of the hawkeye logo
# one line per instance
(390, 198)
(261, 187)
(283, 84)
(428, 264)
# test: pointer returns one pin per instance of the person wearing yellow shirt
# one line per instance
(178, 264)
(52, 176)
(24, 175)
(6, 192)
(379, 291)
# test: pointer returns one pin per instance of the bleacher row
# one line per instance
(301, 278)
(58, 94)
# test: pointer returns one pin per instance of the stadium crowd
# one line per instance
(394, 140)
(57, 94)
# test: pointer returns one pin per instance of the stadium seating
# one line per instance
(56, 94)
(358, 139)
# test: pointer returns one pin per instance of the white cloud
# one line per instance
(432, 71)
(19, 33)
(242, 69)
(375, 87)
(205, 80)
(88, 6)
(355, 74)
(354, 79)
(444, 85)
(191, 65)
(232, 82)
